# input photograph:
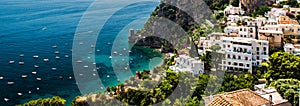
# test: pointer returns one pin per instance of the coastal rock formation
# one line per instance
(251, 5)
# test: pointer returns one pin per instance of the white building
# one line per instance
(185, 63)
(241, 53)
(258, 21)
(271, 94)
(247, 32)
(233, 19)
(292, 49)
(231, 10)
(275, 13)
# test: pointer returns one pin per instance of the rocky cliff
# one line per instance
(251, 5)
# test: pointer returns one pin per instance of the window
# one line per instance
(234, 57)
(245, 36)
(258, 58)
(265, 49)
(229, 63)
(228, 56)
(235, 63)
(239, 57)
(257, 48)
(248, 65)
(251, 36)
(228, 46)
(241, 64)
(246, 58)
(241, 29)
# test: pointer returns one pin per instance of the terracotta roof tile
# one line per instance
(244, 97)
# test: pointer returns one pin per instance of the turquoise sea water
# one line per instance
(32, 27)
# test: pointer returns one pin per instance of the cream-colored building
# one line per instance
(241, 54)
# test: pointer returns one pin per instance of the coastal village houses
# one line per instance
(241, 53)
(185, 63)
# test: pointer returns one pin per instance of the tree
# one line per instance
(288, 89)
(54, 101)
(235, 3)
(283, 65)
(261, 11)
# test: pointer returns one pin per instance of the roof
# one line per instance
(244, 97)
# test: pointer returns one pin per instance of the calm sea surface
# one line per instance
(32, 27)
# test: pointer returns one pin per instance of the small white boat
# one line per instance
(24, 76)
(107, 76)
(37, 88)
(94, 74)
(80, 43)
(70, 77)
(85, 66)
(98, 50)
(129, 51)
(101, 87)
(20, 94)
(36, 56)
(79, 61)
(121, 54)
(56, 52)
(126, 68)
(53, 69)
(1, 78)
(94, 63)
(60, 77)
(10, 83)
(21, 55)
(57, 57)
(108, 43)
(34, 73)
(66, 56)
(36, 66)
(80, 74)
(124, 49)
(92, 46)
(6, 99)
(46, 60)
(110, 57)
(21, 63)
(29, 92)
(115, 52)
(11, 62)
(54, 46)
(39, 79)
(44, 28)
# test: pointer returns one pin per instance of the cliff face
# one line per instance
(251, 5)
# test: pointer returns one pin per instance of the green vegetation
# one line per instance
(235, 2)
(283, 65)
(54, 101)
(217, 4)
(292, 3)
(288, 89)
(261, 11)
